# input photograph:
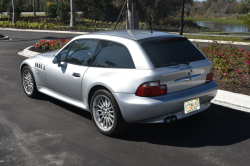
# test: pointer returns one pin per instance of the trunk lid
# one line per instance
(180, 77)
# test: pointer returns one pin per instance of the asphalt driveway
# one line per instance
(46, 131)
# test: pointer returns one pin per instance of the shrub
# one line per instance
(10, 10)
(50, 10)
(231, 62)
(1, 10)
(63, 10)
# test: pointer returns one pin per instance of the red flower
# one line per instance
(225, 74)
(241, 49)
(232, 55)
(239, 71)
(230, 63)
(244, 76)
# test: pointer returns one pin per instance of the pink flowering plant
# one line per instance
(230, 62)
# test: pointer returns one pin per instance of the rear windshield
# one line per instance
(167, 51)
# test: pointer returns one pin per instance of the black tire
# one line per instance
(34, 93)
(119, 125)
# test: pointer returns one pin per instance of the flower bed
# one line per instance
(231, 66)
(47, 45)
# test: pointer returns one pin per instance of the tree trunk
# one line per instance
(14, 16)
(34, 7)
(72, 13)
(132, 14)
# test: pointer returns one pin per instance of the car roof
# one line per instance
(135, 34)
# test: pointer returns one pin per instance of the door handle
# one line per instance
(76, 74)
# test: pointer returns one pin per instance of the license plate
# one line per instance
(192, 105)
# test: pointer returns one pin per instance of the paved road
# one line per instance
(46, 131)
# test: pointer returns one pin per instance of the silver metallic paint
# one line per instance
(150, 109)
(123, 83)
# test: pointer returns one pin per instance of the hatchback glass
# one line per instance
(167, 51)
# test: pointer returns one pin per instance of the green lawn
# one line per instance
(233, 21)
(227, 33)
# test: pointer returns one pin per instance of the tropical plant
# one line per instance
(1, 9)
(10, 10)
(63, 10)
(50, 10)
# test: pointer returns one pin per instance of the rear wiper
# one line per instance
(175, 63)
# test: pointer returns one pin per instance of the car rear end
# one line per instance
(185, 86)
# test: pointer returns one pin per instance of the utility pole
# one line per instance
(72, 13)
(132, 14)
(34, 7)
(182, 17)
(14, 16)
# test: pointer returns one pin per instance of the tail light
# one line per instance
(150, 89)
(210, 76)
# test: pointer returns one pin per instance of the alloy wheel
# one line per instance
(28, 83)
(103, 113)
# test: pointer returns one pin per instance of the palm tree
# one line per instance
(14, 17)
(34, 7)
(72, 13)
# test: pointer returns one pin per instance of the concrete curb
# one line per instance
(224, 98)
(222, 42)
(5, 38)
(49, 31)
(27, 53)
(232, 100)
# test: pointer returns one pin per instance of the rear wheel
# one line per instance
(28, 82)
(106, 114)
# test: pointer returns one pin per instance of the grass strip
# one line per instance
(231, 21)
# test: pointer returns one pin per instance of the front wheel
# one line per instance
(106, 114)
(28, 82)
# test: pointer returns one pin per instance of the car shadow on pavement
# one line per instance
(63, 105)
(217, 126)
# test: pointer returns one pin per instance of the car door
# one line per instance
(75, 60)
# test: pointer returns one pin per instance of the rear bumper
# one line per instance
(137, 109)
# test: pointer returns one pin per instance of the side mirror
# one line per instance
(56, 60)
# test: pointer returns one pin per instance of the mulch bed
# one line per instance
(236, 88)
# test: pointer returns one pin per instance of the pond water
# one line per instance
(224, 26)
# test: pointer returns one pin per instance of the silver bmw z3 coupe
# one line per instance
(125, 76)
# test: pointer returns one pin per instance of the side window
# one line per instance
(62, 55)
(82, 52)
(112, 55)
